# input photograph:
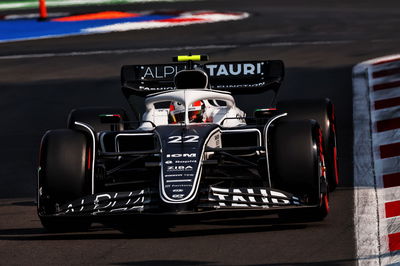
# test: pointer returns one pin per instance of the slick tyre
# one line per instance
(298, 166)
(99, 118)
(323, 111)
(64, 175)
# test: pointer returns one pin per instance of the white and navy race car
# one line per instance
(190, 149)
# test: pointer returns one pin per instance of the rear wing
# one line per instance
(246, 77)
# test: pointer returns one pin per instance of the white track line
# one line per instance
(121, 51)
(35, 15)
(166, 49)
(272, 44)
(201, 19)
(33, 4)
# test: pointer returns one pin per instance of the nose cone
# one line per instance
(181, 159)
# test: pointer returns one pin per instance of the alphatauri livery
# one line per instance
(190, 150)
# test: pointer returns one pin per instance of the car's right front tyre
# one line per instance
(64, 175)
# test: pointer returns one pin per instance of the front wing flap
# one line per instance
(109, 203)
(265, 198)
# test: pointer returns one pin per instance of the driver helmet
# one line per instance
(195, 112)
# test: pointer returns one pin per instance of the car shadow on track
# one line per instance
(218, 227)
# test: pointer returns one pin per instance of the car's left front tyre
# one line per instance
(322, 111)
(298, 166)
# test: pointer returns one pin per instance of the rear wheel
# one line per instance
(298, 166)
(321, 110)
(64, 175)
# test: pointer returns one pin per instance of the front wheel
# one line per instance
(298, 166)
(64, 175)
(322, 111)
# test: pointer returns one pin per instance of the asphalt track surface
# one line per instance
(319, 41)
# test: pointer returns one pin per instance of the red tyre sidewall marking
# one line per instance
(335, 166)
(326, 202)
(324, 197)
(321, 153)
(89, 158)
(333, 127)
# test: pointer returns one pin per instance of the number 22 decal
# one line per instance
(184, 139)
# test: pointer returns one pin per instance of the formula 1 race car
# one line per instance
(190, 149)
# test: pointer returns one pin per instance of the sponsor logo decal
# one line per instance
(183, 19)
(185, 161)
(251, 72)
(181, 155)
(160, 72)
(213, 70)
(173, 175)
(107, 203)
(179, 168)
(249, 197)
(177, 196)
(233, 69)
(143, 88)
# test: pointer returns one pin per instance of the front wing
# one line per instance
(147, 201)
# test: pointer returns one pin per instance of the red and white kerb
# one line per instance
(384, 85)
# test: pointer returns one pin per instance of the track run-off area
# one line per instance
(41, 80)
